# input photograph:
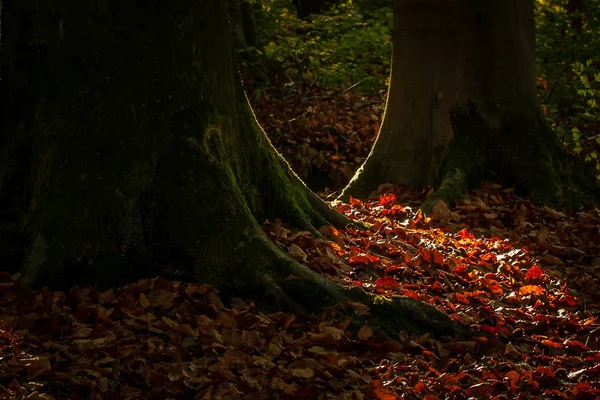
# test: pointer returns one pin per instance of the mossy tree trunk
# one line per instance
(462, 106)
(128, 149)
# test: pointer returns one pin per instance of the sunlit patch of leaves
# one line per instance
(531, 301)
(523, 281)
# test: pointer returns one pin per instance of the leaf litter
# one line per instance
(522, 280)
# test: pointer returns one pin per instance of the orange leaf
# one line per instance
(465, 235)
(432, 256)
(493, 285)
(356, 202)
(550, 343)
(387, 200)
(531, 290)
(357, 260)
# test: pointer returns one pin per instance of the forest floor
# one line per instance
(524, 279)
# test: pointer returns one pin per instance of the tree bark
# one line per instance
(127, 143)
(243, 23)
(128, 150)
(462, 106)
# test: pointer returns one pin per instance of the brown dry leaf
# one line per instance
(543, 235)
(332, 234)
(303, 373)
(297, 253)
(35, 366)
(549, 259)
(102, 384)
(512, 351)
(440, 210)
(364, 332)
(162, 298)
(144, 302)
(442, 351)
(82, 333)
(324, 339)
(358, 308)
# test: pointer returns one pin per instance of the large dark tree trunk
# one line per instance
(127, 141)
(128, 149)
(462, 105)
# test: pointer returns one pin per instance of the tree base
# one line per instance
(512, 145)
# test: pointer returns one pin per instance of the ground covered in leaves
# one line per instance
(325, 134)
(524, 281)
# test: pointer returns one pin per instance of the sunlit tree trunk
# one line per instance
(462, 105)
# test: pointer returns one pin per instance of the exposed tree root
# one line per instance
(511, 144)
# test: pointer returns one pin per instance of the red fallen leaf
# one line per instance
(513, 377)
(461, 299)
(534, 273)
(394, 211)
(478, 390)
(436, 287)
(493, 285)
(358, 260)
(576, 344)
(411, 293)
(550, 343)
(583, 389)
(531, 290)
(419, 387)
(544, 371)
(488, 329)
(387, 282)
(387, 200)
(356, 202)
(567, 300)
(432, 256)
(488, 258)
(459, 269)
(476, 294)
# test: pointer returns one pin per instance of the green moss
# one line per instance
(512, 145)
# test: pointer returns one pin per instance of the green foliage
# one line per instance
(351, 44)
(345, 46)
(569, 74)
